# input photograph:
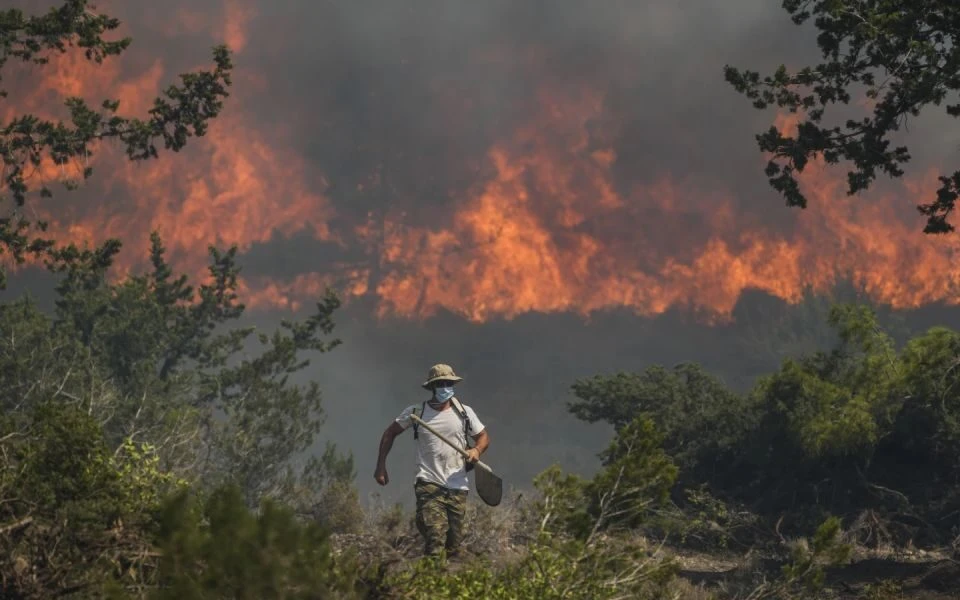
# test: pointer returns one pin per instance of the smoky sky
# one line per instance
(394, 106)
(518, 372)
(415, 94)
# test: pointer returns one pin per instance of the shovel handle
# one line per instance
(462, 452)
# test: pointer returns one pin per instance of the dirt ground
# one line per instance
(917, 576)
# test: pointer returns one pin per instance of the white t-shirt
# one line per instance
(436, 461)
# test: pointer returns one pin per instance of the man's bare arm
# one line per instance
(482, 442)
(386, 443)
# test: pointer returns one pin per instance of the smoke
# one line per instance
(518, 373)
(490, 160)
(530, 191)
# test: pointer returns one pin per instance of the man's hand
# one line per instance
(386, 442)
(473, 455)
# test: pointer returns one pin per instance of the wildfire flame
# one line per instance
(550, 233)
(550, 230)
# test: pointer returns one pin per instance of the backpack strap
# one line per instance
(416, 426)
(458, 408)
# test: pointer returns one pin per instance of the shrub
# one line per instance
(217, 547)
(552, 568)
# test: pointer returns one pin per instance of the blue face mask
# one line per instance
(442, 394)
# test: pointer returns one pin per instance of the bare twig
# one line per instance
(16, 525)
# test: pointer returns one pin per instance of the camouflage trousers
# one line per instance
(440, 513)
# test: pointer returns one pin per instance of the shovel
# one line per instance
(489, 486)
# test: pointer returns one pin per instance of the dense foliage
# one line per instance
(147, 446)
(219, 548)
(862, 426)
(129, 391)
(27, 140)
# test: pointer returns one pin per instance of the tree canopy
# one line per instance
(26, 141)
(149, 446)
(900, 56)
(864, 425)
(131, 391)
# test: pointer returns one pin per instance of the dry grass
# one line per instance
(499, 536)
(389, 534)
(497, 533)
(681, 589)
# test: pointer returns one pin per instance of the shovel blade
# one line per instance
(489, 486)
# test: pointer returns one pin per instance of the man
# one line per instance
(441, 485)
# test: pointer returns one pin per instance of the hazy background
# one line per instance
(358, 149)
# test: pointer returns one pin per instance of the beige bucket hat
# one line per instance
(440, 372)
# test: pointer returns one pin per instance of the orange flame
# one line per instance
(233, 188)
(548, 233)
(550, 230)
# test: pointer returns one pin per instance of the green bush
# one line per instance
(635, 479)
(217, 548)
(637, 476)
(701, 421)
(550, 569)
(706, 523)
(75, 519)
(860, 426)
